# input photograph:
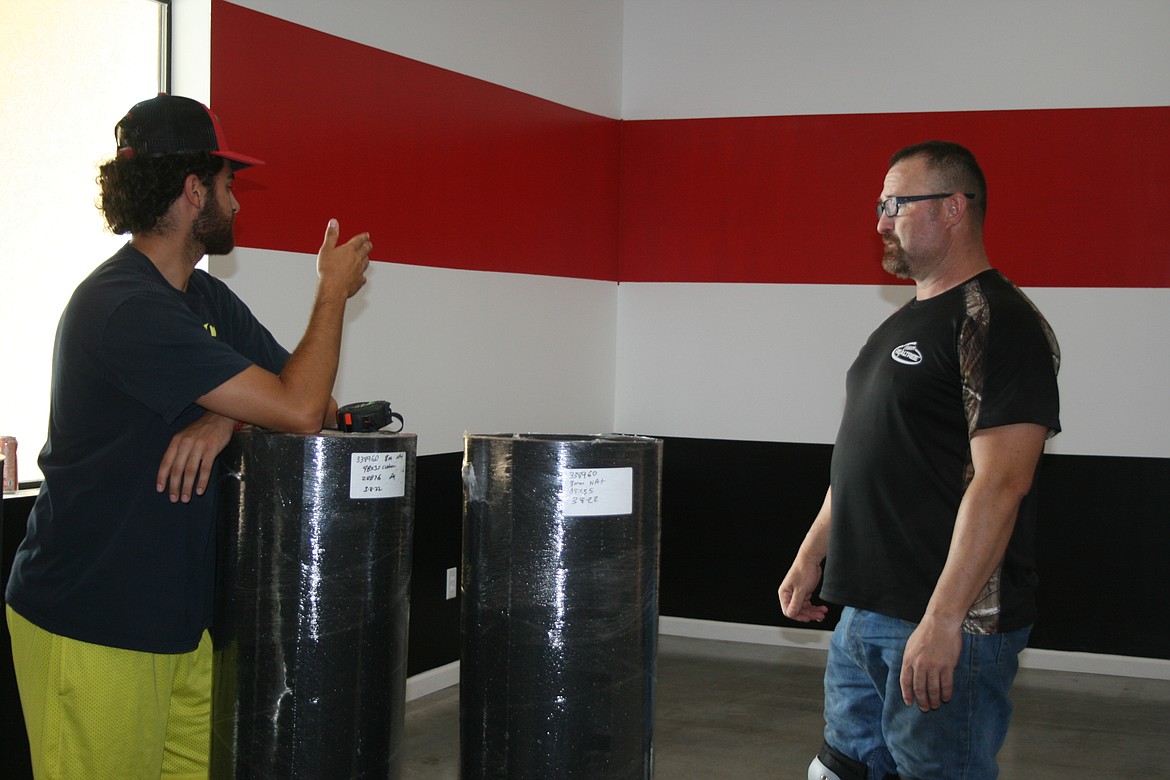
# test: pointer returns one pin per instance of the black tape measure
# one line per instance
(367, 416)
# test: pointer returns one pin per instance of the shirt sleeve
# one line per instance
(1021, 365)
(244, 332)
(157, 351)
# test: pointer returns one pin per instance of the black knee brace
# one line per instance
(840, 765)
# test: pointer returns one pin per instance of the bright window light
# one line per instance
(69, 70)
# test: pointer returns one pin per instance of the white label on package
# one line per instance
(377, 475)
(593, 492)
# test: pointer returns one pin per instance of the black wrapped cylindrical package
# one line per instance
(560, 606)
(315, 536)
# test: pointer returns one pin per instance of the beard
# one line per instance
(894, 258)
(212, 230)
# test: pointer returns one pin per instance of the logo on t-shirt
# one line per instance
(207, 326)
(907, 353)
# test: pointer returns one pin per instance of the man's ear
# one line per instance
(956, 207)
(193, 191)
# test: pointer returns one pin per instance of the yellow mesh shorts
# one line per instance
(104, 713)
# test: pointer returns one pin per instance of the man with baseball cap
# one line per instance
(155, 364)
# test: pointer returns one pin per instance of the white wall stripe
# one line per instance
(566, 51)
(696, 58)
(454, 350)
(767, 362)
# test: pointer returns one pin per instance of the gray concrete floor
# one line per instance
(729, 710)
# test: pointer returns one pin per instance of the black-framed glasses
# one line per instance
(891, 206)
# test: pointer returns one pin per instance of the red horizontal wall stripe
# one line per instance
(444, 170)
(451, 171)
(1077, 198)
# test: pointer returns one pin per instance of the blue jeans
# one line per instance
(866, 719)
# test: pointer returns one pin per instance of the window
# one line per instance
(70, 69)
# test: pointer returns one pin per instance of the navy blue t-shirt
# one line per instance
(107, 559)
(975, 357)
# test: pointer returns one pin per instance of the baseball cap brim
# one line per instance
(238, 160)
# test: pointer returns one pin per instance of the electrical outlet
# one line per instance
(452, 582)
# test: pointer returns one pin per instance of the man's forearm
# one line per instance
(1005, 460)
(297, 400)
(311, 370)
(983, 528)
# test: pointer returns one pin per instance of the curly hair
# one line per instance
(137, 190)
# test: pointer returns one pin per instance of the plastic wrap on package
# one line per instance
(560, 606)
(312, 603)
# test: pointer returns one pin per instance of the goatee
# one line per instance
(894, 259)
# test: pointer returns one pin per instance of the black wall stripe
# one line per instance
(438, 529)
(735, 512)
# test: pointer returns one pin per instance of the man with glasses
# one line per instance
(155, 364)
(926, 534)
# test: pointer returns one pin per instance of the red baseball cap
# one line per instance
(170, 124)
